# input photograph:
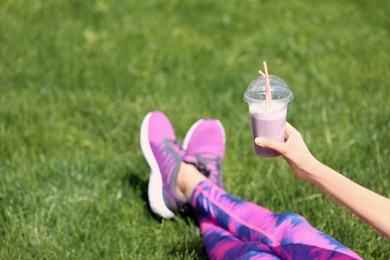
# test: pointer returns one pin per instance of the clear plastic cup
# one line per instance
(268, 120)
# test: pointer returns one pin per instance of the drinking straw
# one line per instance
(268, 97)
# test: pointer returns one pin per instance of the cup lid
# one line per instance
(279, 90)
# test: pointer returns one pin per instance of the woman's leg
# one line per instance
(288, 235)
(221, 244)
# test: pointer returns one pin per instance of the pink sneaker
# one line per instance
(206, 141)
(164, 156)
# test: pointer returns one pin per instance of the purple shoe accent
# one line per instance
(205, 141)
(163, 154)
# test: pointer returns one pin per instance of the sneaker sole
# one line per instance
(190, 132)
(155, 187)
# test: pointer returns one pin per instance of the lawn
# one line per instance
(77, 78)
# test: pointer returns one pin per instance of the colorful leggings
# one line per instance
(235, 229)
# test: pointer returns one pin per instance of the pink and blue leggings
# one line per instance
(235, 229)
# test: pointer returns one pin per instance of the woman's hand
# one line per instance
(293, 150)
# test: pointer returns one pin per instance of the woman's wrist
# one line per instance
(312, 170)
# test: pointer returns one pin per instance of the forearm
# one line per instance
(371, 207)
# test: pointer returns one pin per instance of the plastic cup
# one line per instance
(268, 120)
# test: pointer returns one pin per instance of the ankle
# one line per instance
(182, 177)
(187, 179)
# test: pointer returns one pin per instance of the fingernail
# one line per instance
(258, 140)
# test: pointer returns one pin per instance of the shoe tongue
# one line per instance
(198, 162)
(207, 164)
(191, 159)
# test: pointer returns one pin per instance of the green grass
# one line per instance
(77, 78)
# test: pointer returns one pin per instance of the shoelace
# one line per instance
(172, 145)
(210, 166)
(170, 148)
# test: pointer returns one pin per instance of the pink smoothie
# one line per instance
(269, 123)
